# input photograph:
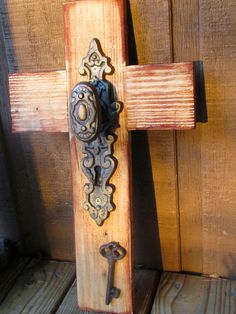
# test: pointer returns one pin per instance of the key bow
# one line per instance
(112, 251)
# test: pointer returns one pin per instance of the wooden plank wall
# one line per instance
(9, 228)
(152, 29)
(196, 212)
(205, 29)
(40, 162)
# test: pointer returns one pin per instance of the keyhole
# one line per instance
(98, 181)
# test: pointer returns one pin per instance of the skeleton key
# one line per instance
(113, 252)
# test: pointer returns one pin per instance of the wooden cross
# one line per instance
(154, 97)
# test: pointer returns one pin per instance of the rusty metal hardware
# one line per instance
(93, 119)
(113, 252)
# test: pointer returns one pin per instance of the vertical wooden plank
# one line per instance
(39, 162)
(186, 46)
(33, 34)
(152, 29)
(207, 177)
(105, 20)
(217, 34)
(9, 228)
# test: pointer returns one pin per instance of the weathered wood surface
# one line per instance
(160, 97)
(39, 163)
(179, 293)
(153, 38)
(38, 101)
(9, 228)
(48, 287)
(205, 30)
(145, 288)
(106, 21)
(8, 275)
(144, 292)
(69, 304)
(39, 288)
(33, 33)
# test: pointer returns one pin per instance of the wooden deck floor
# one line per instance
(45, 287)
(187, 294)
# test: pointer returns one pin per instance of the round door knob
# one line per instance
(85, 112)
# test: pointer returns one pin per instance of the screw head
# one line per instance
(98, 201)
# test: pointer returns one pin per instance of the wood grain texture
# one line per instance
(9, 227)
(152, 30)
(178, 293)
(145, 288)
(39, 163)
(33, 34)
(106, 21)
(160, 96)
(69, 303)
(39, 288)
(206, 158)
(144, 291)
(8, 276)
(38, 101)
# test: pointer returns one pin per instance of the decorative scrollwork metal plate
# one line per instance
(94, 118)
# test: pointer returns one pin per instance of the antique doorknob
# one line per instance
(85, 112)
(93, 119)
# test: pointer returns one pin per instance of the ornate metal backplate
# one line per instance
(94, 118)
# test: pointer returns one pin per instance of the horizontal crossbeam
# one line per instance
(38, 101)
(157, 97)
(160, 96)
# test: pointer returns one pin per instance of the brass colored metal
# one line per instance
(95, 64)
(94, 118)
(85, 112)
(113, 252)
